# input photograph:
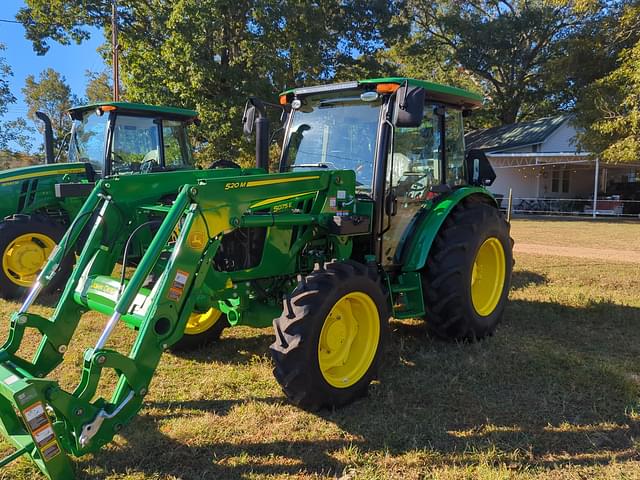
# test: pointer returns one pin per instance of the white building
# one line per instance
(540, 160)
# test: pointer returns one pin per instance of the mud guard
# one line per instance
(417, 241)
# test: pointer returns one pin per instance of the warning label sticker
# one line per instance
(181, 279)
(44, 435)
(27, 396)
(35, 416)
(50, 451)
(41, 430)
(177, 287)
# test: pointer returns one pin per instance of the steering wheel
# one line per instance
(147, 165)
(224, 164)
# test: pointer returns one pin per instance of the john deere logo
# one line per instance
(196, 240)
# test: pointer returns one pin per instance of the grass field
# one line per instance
(553, 394)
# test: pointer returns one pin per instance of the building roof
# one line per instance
(435, 91)
(514, 135)
(143, 108)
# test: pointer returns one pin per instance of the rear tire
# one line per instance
(467, 277)
(331, 335)
(25, 244)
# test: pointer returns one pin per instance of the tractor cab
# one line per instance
(403, 138)
(119, 138)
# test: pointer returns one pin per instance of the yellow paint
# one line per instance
(25, 256)
(349, 340)
(217, 221)
(201, 322)
(259, 183)
(269, 201)
(43, 174)
(488, 276)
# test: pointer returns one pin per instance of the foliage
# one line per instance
(503, 45)
(50, 94)
(99, 87)
(609, 109)
(16, 132)
(6, 97)
(211, 54)
(529, 58)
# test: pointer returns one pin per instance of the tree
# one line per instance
(211, 54)
(50, 94)
(99, 87)
(6, 97)
(609, 109)
(503, 44)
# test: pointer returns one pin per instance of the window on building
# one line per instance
(560, 181)
(565, 181)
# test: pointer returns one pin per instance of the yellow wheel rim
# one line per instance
(487, 277)
(25, 256)
(201, 322)
(349, 340)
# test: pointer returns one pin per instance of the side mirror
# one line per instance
(478, 170)
(248, 119)
(409, 106)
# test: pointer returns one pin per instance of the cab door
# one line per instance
(414, 166)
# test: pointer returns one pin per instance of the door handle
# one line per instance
(391, 204)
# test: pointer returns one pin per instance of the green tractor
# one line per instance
(375, 212)
(40, 201)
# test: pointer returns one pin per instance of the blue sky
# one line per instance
(71, 61)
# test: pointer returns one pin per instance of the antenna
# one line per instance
(114, 51)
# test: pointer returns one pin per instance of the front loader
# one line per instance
(375, 212)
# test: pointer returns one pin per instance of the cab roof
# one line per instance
(435, 91)
(142, 108)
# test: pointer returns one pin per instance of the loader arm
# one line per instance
(185, 232)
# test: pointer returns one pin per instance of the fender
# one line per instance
(420, 234)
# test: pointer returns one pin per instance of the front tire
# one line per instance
(468, 274)
(25, 244)
(330, 336)
(201, 330)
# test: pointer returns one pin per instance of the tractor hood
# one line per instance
(11, 176)
(29, 189)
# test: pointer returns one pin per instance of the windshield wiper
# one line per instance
(314, 165)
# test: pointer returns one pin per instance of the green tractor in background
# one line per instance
(39, 202)
(375, 212)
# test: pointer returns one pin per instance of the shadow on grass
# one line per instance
(524, 278)
(554, 386)
(231, 350)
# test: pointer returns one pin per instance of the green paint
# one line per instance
(453, 94)
(141, 108)
(417, 247)
(193, 229)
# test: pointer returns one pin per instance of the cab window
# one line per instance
(177, 151)
(454, 138)
(416, 158)
(135, 142)
(335, 133)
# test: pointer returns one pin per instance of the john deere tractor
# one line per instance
(39, 202)
(375, 212)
